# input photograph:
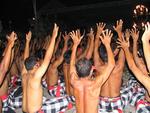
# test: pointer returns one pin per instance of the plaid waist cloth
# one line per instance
(142, 106)
(131, 92)
(57, 90)
(110, 105)
(14, 100)
(57, 105)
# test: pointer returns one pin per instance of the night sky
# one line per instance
(17, 12)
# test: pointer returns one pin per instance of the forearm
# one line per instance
(50, 50)
(135, 52)
(119, 34)
(7, 58)
(26, 51)
(111, 61)
(121, 59)
(146, 48)
(136, 71)
(90, 49)
(61, 58)
(97, 60)
(73, 58)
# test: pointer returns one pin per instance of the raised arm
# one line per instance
(27, 46)
(118, 27)
(7, 56)
(144, 79)
(26, 51)
(106, 40)
(42, 69)
(138, 61)
(61, 57)
(146, 45)
(97, 43)
(91, 47)
(76, 41)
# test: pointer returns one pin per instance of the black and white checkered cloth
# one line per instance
(57, 104)
(110, 105)
(142, 106)
(14, 100)
(57, 90)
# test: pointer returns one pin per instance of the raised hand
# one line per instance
(100, 27)
(91, 34)
(66, 37)
(28, 36)
(123, 43)
(76, 37)
(106, 37)
(119, 25)
(127, 34)
(146, 34)
(135, 34)
(55, 31)
(11, 38)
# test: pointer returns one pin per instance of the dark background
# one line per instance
(78, 13)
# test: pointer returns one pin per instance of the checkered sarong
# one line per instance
(56, 105)
(142, 106)
(14, 100)
(110, 105)
(58, 90)
(132, 92)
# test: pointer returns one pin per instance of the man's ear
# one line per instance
(92, 69)
(37, 65)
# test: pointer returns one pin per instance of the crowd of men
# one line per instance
(74, 71)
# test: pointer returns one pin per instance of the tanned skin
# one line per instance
(139, 61)
(88, 52)
(52, 73)
(33, 93)
(5, 64)
(143, 78)
(86, 90)
(110, 88)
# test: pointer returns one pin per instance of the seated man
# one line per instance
(143, 105)
(86, 87)
(110, 98)
(4, 67)
(32, 74)
(54, 88)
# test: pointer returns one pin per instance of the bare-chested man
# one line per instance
(87, 88)
(110, 91)
(143, 104)
(4, 66)
(52, 73)
(32, 74)
(88, 52)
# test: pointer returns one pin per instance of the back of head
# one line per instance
(83, 67)
(67, 56)
(30, 62)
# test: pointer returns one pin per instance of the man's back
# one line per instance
(111, 88)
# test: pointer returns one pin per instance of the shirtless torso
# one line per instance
(111, 87)
(52, 76)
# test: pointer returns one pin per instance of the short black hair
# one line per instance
(40, 53)
(83, 67)
(67, 56)
(30, 62)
